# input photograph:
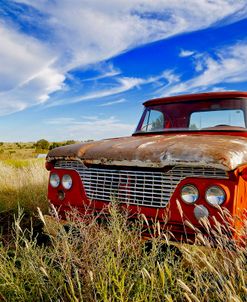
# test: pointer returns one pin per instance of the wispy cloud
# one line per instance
(227, 66)
(119, 86)
(186, 53)
(79, 33)
(96, 127)
(60, 121)
(27, 71)
(105, 71)
(113, 103)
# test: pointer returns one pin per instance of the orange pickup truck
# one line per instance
(188, 154)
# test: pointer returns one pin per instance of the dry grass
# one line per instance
(13, 151)
(95, 262)
(23, 183)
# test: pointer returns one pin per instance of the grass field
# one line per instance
(17, 151)
(93, 262)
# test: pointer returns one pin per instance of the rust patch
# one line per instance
(217, 151)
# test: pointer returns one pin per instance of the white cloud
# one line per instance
(113, 103)
(82, 32)
(105, 71)
(91, 127)
(229, 66)
(92, 31)
(170, 76)
(60, 121)
(27, 72)
(186, 53)
(121, 85)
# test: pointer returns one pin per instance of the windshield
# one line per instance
(212, 115)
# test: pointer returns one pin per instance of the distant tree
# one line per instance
(158, 123)
(42, 144)
(193, 127)
(1, 143)
(59, 144)
(70, 142)
(55, 145)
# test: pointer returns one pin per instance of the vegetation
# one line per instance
(42, 144)
(93, 261)
(19, 150)
(23, 184)
(59, 144)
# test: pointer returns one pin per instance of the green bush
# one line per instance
(42, 144)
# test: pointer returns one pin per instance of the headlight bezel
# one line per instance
(63, 181)
(193, 187)
(212, 203)
(51, 180)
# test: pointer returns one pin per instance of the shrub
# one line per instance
(42, 144)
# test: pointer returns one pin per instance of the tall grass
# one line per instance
(23, 183)
(93, 261)
(109, 262)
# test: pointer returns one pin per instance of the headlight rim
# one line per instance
(193, 186)
(62, 181)
(59, 182)
(215, 205)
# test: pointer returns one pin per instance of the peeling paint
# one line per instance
(218, 151)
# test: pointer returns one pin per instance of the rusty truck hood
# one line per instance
(218, 151)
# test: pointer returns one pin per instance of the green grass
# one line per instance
(103, 262)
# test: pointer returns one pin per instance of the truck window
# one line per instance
(207, 119)
(154, 120)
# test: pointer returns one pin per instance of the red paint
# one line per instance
(49, 166)
(179, 109)
(196, 97)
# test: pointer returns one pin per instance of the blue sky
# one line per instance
(81, 69)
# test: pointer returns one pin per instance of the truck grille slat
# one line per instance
(133, 188)
(127, 191)
(144, 188)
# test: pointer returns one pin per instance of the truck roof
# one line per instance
(197, 97)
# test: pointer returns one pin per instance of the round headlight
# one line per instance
(67, 181)
(201, 212)
(189, 194)
(54, 180)
(215, 195)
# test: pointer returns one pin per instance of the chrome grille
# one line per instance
(145, 188)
